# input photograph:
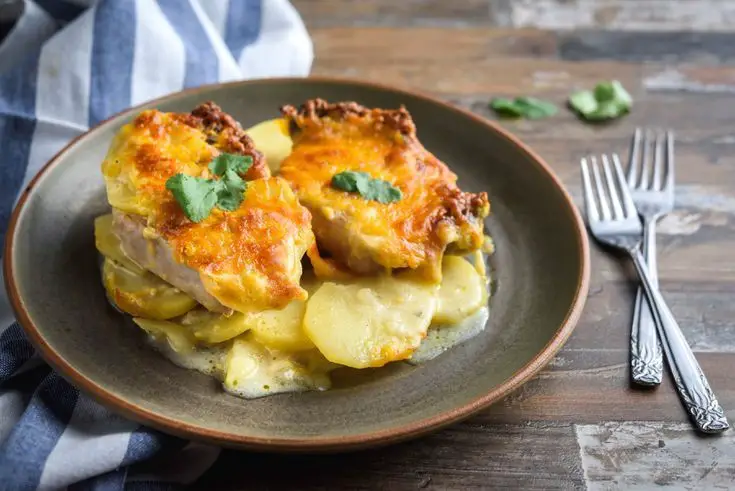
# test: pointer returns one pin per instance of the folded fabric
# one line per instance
(65, 66)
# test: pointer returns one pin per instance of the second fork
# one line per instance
(651, 182)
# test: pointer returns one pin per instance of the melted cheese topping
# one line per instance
(410, 233)
(247, 259)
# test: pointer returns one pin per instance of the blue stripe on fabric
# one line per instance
(25, 451)
(27, 381)
(110, 481)
(17, 125)
(144, 444)
(244, 20)
(61, 10)
(202, 64)
(113, 48)
(15, 350)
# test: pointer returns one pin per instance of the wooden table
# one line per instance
(579, 424)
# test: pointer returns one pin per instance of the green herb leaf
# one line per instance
(367, 187)
(526, 107)
(382, 192)
(351, 181)
(224, 161)
(231, 191)
(196, 196)
(506, 107)
(608, 100)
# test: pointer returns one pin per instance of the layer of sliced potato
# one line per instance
(108, 244)
(213, 327)
(181, 339)
(281, 329)
(253, 370)
(273, 140)
(370, 322)
(143, 295)
(462, 291)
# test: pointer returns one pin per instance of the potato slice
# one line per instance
(461, 293)
(370, 322)
(213, 327)
(253, 370)
(179, 338)
(108, 244)
(273, 140)
(143, 295)
(281, 329)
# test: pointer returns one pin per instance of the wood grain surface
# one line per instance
(579, 425)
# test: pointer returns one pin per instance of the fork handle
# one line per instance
(694, 390)
(645, 351)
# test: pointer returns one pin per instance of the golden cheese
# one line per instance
(367, 236)
(248, 259)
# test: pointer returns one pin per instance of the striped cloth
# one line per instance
(65, 65)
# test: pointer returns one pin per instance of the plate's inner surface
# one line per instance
(537, 266)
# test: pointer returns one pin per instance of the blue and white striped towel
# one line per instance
(65, 65)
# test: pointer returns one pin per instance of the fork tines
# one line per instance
(606, 198)
(654, 150)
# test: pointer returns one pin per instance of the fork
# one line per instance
(651, 182)
(613, 221)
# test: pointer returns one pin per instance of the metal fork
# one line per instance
(613, 221)
(651, 182)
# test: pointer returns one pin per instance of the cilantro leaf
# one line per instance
(608, 100)
(225, 161)
(526, 107)
(231, 191)
(382, 192)
(367, 187)
(196, 196)
(351, 181)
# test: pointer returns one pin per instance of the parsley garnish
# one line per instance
(609, 100)
(526, 107)
(197, 196)
(367, 187)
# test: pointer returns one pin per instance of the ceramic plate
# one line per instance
(541, 271)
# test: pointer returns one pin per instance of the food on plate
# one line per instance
(379, 200)
(269, 257)
(371, 321)
(243, 255)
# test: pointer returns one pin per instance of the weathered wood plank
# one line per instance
(640, 455)
(479, 60)
(526, 456)
(627, 15)
(346, 45)
(678, 46)
(591, 385)
(323, 13)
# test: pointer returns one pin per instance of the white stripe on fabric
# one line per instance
(62, 94)
(63, 81)
(12, 405)
(94, 442)
(216, 10)
(30, 31)
(6, 312)
(283, 46)
(228, 68)
(156, 45)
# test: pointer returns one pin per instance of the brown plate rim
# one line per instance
(339, 443)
